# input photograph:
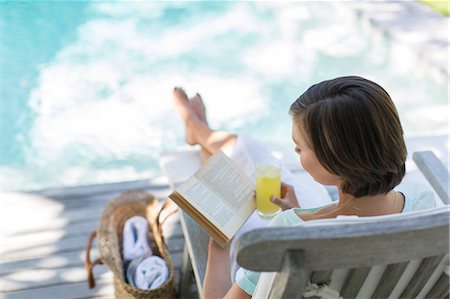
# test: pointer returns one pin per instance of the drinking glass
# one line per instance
(267, 184)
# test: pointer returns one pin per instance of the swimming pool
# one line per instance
(86, 95)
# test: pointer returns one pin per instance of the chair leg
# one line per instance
(186, 275)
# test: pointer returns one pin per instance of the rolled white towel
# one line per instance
(131, 266)
(135, 242)
(150, 273)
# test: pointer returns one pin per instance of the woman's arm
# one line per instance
(236, 293)
(217, 283)
(217, 274)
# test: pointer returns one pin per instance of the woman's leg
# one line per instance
(217, 274)
(199, 108)
(197, 129)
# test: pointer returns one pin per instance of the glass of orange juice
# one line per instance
(267, 184)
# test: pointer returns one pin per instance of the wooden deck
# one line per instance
(44, 236)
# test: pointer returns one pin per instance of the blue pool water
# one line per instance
(86, 86)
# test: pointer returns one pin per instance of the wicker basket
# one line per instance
(109, 242)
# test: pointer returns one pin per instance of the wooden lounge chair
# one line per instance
(393, 256)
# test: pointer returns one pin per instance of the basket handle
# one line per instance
(159, 223)
(88, 264)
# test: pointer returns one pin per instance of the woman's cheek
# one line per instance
(305, 162)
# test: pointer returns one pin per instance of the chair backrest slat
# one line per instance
(355, 279)
(441, 287)
(389, 279)
(321, 277)
(435, 172)
(420, 278)
(293, 278)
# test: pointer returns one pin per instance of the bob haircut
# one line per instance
(354, 129)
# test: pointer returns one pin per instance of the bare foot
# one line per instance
(187, 114)
(199, 108)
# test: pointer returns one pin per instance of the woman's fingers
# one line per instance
(279, 202)
(286, 189)
(284, 203)
(287, 199)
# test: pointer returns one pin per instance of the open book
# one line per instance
(218, 196)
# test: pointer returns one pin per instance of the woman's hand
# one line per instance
(288, 199)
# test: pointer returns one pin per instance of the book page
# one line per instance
(221, 192)
(225, 179)
(206, 202)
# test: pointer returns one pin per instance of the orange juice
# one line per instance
(267, 184)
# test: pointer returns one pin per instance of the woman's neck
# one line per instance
(371, 205)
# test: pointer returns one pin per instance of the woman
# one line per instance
(348, 134)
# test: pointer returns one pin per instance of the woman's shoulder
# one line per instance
(287, 218)
(417, 196)
(295, 216)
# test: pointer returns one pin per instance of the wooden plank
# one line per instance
(327, 245)
(87, 202)
(49, 236)
(74, 290)
(56, 224)
(39, 278)
(440, 288)
(435, 172)
(69, 220)
(293, 278)
(321, 277)
(420, 278)
(111, 296)
(46, 219)
(66, 260)
(388, 281)
(104, 287)
(29, 246)
(76, 243)
(186, 274)
(197, 244)
(79, 191)
(171, 229)
(355, 279)
(75, 228)
(30, 251)
(160, 193)
(46, 214)
(59, 260)
(16, 202)
(19, 201)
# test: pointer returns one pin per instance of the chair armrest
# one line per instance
(435, 172)
(196, 242)
(325, 242)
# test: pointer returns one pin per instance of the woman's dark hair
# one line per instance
(354, 129)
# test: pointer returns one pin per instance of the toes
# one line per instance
(197, 98)
(194, 99)
(179, 92)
